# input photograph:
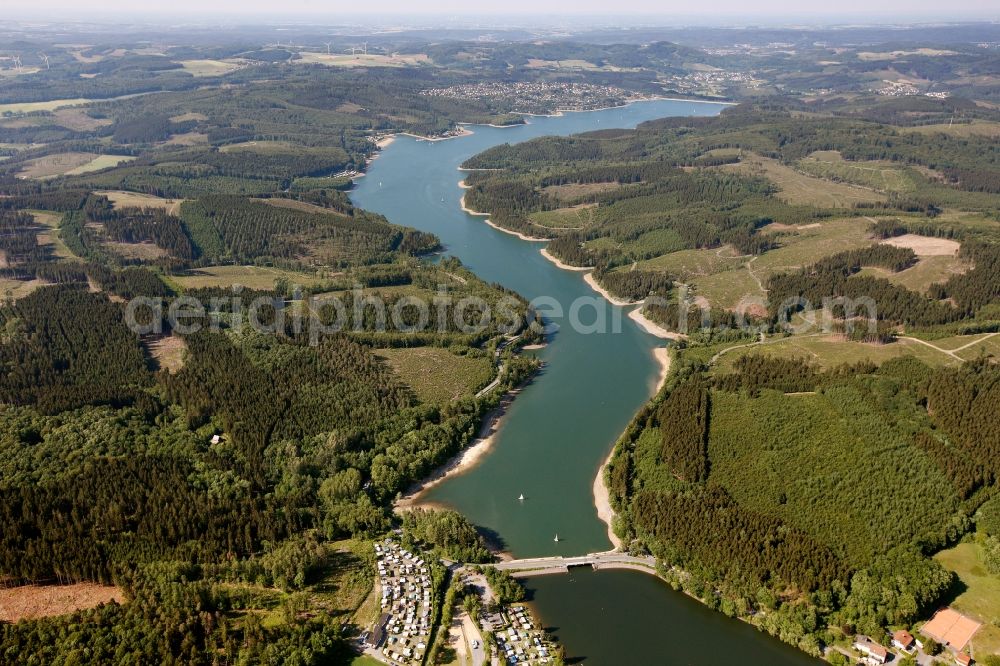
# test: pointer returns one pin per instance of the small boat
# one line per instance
(521, 497)
(557, 538)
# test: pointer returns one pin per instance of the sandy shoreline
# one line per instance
(602, 497)
(602, 500)
(466, 209)
(565, 267)
(462, 131)
(524, 237)
(592, 283)
(463, 461)
(652, 327)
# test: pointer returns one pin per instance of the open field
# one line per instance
(55, 165)
(100, 162)
(924, 273)
(294, 204)
(730, 280)
(347, 580)
(191, 115)
(975, 128)
(144, 251)
(51, 236)
(688, 264)
(251, 277)
(69, 164)
(199, 68)
(128, 199)
(266, 147)
(19, 288)
(829, 351)
(981, 597)
(168, 352)
(362, 60)
(926, 246)
(799, 188)
(892, 55)
(76, 118)
(881, 176)
(365, 660)
(33, 601)
(51, 105)
(989, 345)
(576, 217)
(570, 191)
(437, 375)
(187, 139)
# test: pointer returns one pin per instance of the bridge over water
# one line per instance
(536, 566)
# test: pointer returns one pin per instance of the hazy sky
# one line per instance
(885, 10)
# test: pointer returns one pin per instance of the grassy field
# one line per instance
(436, 374)
(570, 191)
(76, 118)
(188, 139)
(830, 351)
(251, 277)
(51, 236)
(689, 264)
(576, 217)
(55, 165)
(727, 281)
(347, 580)
(98, 163)
(980, 598)
(199, 68)
(362, 60)
(990, 345)
(266, 147)
(365, 660)
(69, 164)
(18, 288)
(924, 273)
(799, 188)
(341, 589)
(882, 176)
(125, 199)
(51, 105)
(976, 128)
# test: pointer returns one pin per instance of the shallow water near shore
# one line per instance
(560, 428)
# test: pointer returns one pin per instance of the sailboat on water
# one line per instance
(520, 497)
(557, 538)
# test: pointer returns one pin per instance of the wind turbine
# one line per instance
(366, 48)
(45, 58)
(328, 47)
(17, 63)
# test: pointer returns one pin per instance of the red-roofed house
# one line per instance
(963, 659)
(873, 652)
(903, 640)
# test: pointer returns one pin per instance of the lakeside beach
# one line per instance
(560, 264)
(651, 327)
(461, 462)
(593, 284)
(602, 496)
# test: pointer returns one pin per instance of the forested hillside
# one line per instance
(829, 488)
(211, 474)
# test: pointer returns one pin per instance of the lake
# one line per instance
(556, 434)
